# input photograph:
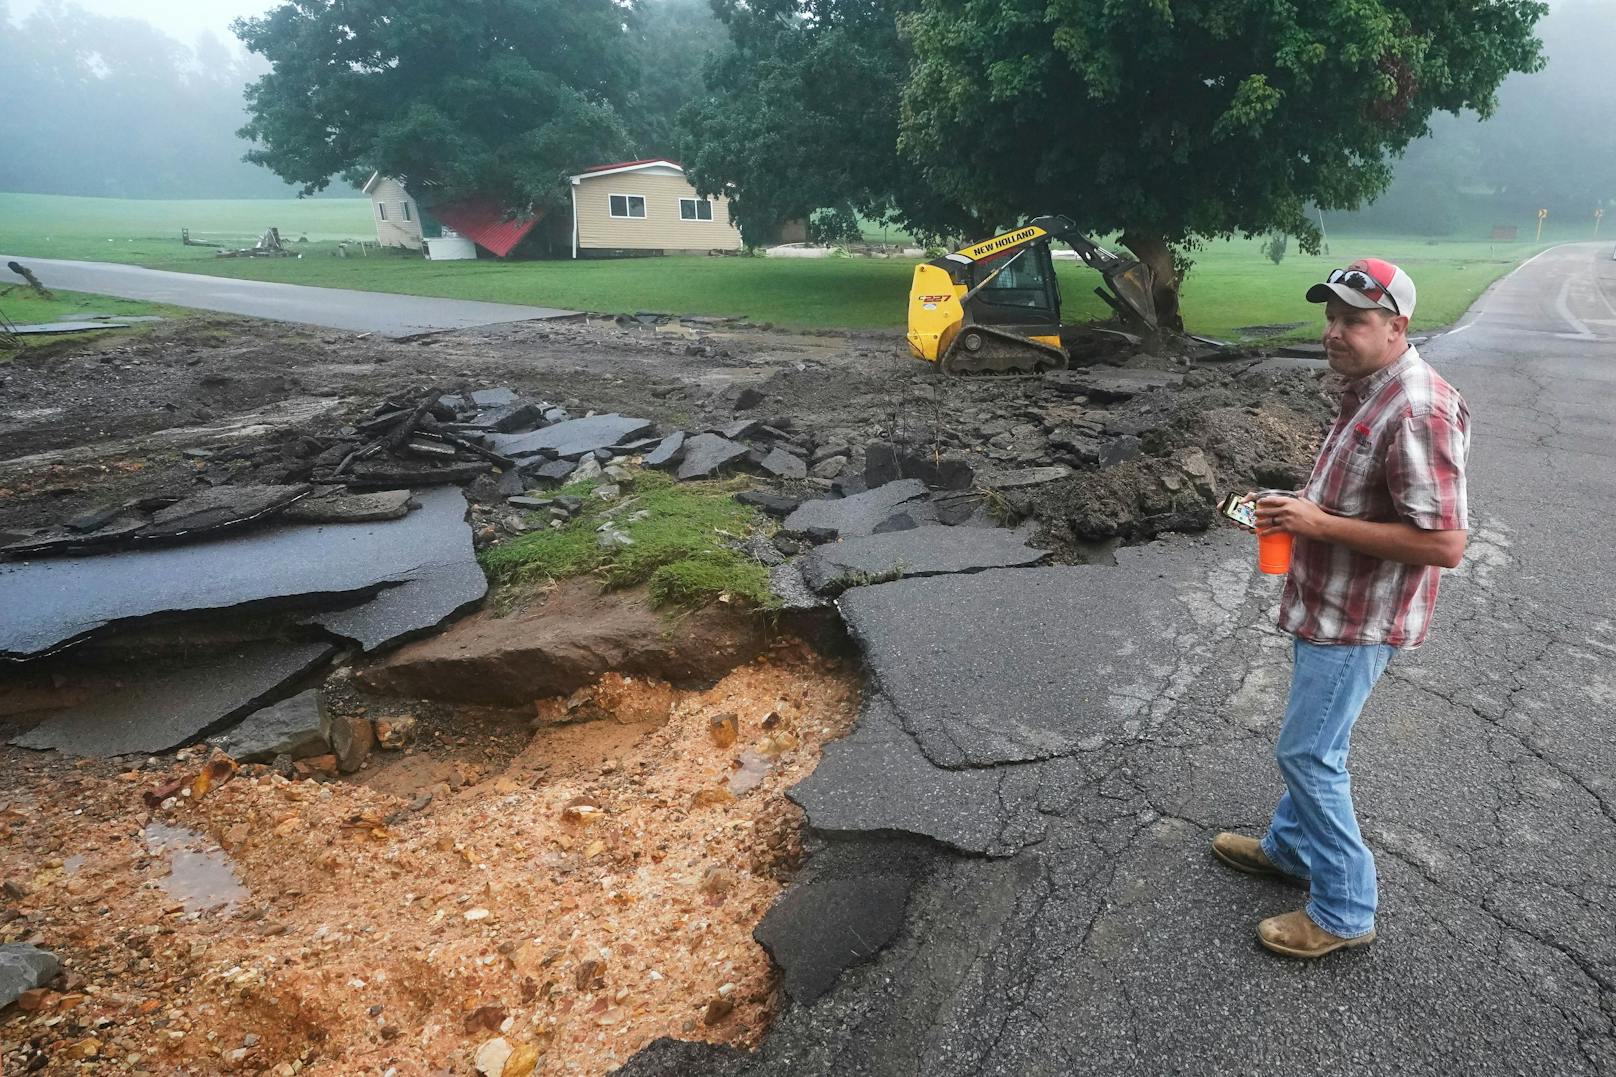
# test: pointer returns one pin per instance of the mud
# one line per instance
(580, 888)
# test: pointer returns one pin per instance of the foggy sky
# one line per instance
(180, 19)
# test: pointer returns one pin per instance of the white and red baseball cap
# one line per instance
(1368, 283)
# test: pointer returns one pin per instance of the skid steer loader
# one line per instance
(994, 307)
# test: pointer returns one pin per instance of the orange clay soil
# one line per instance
(598, 891)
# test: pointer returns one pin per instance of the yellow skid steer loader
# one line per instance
(994, 307)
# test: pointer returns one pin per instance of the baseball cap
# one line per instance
(1368, 283)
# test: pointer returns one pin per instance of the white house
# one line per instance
(646, 207)
(397, 217)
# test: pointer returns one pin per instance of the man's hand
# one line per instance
(1390, 541)
(1294, 514)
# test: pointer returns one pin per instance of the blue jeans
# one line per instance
(1314, 833)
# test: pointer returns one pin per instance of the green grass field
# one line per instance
(1232, 285)
(22, 307)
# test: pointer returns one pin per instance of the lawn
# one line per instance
(22, 307)
(1232, 285)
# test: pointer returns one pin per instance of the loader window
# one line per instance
(1024, 282)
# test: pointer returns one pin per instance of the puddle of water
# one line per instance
(754, 767)
(199, 874)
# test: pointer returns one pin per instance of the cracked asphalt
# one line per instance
(1063, 914)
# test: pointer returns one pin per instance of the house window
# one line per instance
(405, 206)
(381, 211)
(628, 205)
(695, 209)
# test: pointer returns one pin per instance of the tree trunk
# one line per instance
(1150, 249)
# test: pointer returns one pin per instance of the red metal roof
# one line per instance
(484, 223)
(631, 164)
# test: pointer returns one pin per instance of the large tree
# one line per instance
(501, 98)
(1172, 121)
(802, 115)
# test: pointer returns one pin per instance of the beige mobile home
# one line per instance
(398, 219)
(646, 207)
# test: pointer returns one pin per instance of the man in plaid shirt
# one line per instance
(1382, 514)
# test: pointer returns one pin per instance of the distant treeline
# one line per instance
(1551, 144)
(96, 105)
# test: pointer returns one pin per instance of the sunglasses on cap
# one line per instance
(1359, 281)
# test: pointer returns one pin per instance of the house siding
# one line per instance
(661, 228)
(395, 231)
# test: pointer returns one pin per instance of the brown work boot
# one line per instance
(1245, 854)
(1296, 935)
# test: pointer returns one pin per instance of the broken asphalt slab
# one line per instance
(856, 516)
(201, 514)
(848, 903)
(1110, 384)
(706, 454)
(986, 668)
(877, 780)
(917, 551)
(53, 603)
(165, 709)
(572, 437)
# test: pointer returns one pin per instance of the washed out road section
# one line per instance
(1098, 935)
(332, 308)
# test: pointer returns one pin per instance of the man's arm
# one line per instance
(1394, 541)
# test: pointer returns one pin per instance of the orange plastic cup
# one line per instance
(1274, 552)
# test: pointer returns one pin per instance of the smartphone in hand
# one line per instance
(1242, 513)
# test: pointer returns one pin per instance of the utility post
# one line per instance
(1599, 213)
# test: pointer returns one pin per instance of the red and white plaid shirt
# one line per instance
(1396, 453)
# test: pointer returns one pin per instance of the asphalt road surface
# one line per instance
(1039, 898)
(333, 308)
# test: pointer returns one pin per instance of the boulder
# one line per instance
(23, 968)
(294, 727)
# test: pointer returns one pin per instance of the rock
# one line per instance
(705, 454)
(1120, 451)
(491, 1057)
(608, 493)
(760, 549)
(352, 508)
(324, 766)
(499, 397)
(1083, 447)
(23, 968)
(773, 504)
(293, 727)
(669, 451)
(723, 728)
(848, 483)
(588, 468)
(901, 521)
(829, 468)
(556, 471)
(529, 503)
(352, 739)
(782, 464)
(741, 428)
(955, 507)
(858, 515)
(834, 447)
(748, 399)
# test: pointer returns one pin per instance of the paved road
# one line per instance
(1062, 915)
(333, 308)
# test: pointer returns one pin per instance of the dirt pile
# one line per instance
(577, 890)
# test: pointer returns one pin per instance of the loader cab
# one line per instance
(1024, 294)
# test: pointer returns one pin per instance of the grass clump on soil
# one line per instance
(23, 306)
(678, 549)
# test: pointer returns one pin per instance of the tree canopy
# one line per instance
(803, 115)
(1176, 120)
(502, 98)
